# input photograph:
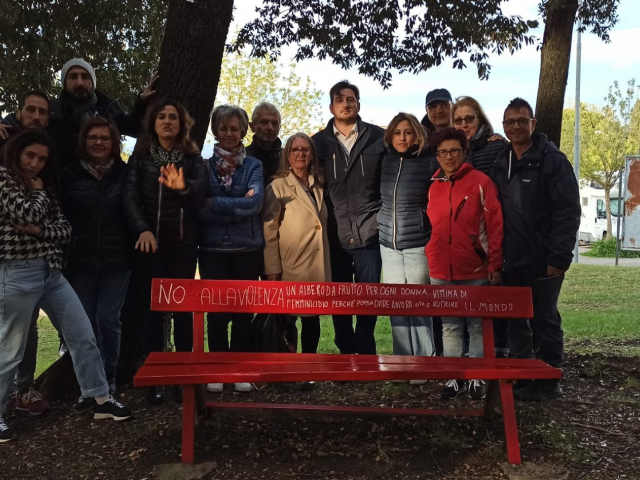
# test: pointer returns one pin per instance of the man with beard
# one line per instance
(351, 152)
(32, 112)
(266, 146)
(80, 100)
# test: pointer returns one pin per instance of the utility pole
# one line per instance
(576, 137)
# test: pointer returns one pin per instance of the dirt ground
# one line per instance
(593, 432)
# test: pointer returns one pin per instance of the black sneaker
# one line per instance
(453, 388)
(477, 389)
(539, 391)
(111, 409)
(84, 404)
(6, 434)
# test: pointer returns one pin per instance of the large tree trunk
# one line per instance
(554, 66)
(191, 56)
(190, 62)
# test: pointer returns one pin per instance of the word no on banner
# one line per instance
(315, 298)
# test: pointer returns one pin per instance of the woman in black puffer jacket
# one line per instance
(165, 181)
(469, 117)
(99, 260)
(406, 174)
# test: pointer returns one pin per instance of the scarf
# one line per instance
(162, 158)
(84, 109)
(227, 162)
(97, 171)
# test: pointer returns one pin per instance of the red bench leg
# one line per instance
(188, 424)
(510, 424)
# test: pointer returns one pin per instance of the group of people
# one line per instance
(443, 201)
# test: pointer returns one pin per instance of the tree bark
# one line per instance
(554, 66)
(191, 56)
(607, 206)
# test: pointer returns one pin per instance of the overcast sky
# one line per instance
(511, 76)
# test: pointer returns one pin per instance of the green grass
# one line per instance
(596, 303)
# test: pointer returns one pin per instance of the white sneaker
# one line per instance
(418, 382)
(215, 387)
(243, 387)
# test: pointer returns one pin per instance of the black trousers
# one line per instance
(309, 334)
(230, 266)
(540, 337)
(170, 262)
(363, 265)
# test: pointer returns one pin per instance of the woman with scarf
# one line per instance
(99, 260)
(164, 182)
(231, 234)
(34, 235)
(407, 169)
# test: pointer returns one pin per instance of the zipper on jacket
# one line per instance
(335, 170)
(459, 209)
(395, 188)
(159, 214)
(181, 219)
(362, 165)
(450, 230)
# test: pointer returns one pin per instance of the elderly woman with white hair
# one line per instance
(231, 233)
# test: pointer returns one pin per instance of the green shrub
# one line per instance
(606, 248)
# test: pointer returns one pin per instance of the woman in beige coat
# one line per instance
(295, 226)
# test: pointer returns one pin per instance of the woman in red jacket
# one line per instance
(466, 242)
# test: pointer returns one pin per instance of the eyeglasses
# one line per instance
(95, 138)
(454, 152)
(522, 122)
(468, 119)
(300, 151)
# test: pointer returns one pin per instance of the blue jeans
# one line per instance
(411, 335)
(453, 327)
(25, 284)
(102, 296)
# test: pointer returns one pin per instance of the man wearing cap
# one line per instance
(438, 107)
(79, 100)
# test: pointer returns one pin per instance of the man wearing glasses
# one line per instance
(541, 208)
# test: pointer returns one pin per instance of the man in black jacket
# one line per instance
(351, 153)
(541, 208)
(266, 146)
(32, 112)
(79, 100)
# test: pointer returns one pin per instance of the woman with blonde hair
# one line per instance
(406, 174)
(295, 225)
(469, 117)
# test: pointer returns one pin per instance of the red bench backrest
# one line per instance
(309, 298)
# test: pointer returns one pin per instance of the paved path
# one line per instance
(624, 262)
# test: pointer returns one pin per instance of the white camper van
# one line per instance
(593, 224)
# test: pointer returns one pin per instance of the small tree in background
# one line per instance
(607, 134)
(246, 81)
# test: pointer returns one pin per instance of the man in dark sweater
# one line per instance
(266, 145)
(541, 210)
(351, 152)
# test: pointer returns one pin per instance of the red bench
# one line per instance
(194, 369)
